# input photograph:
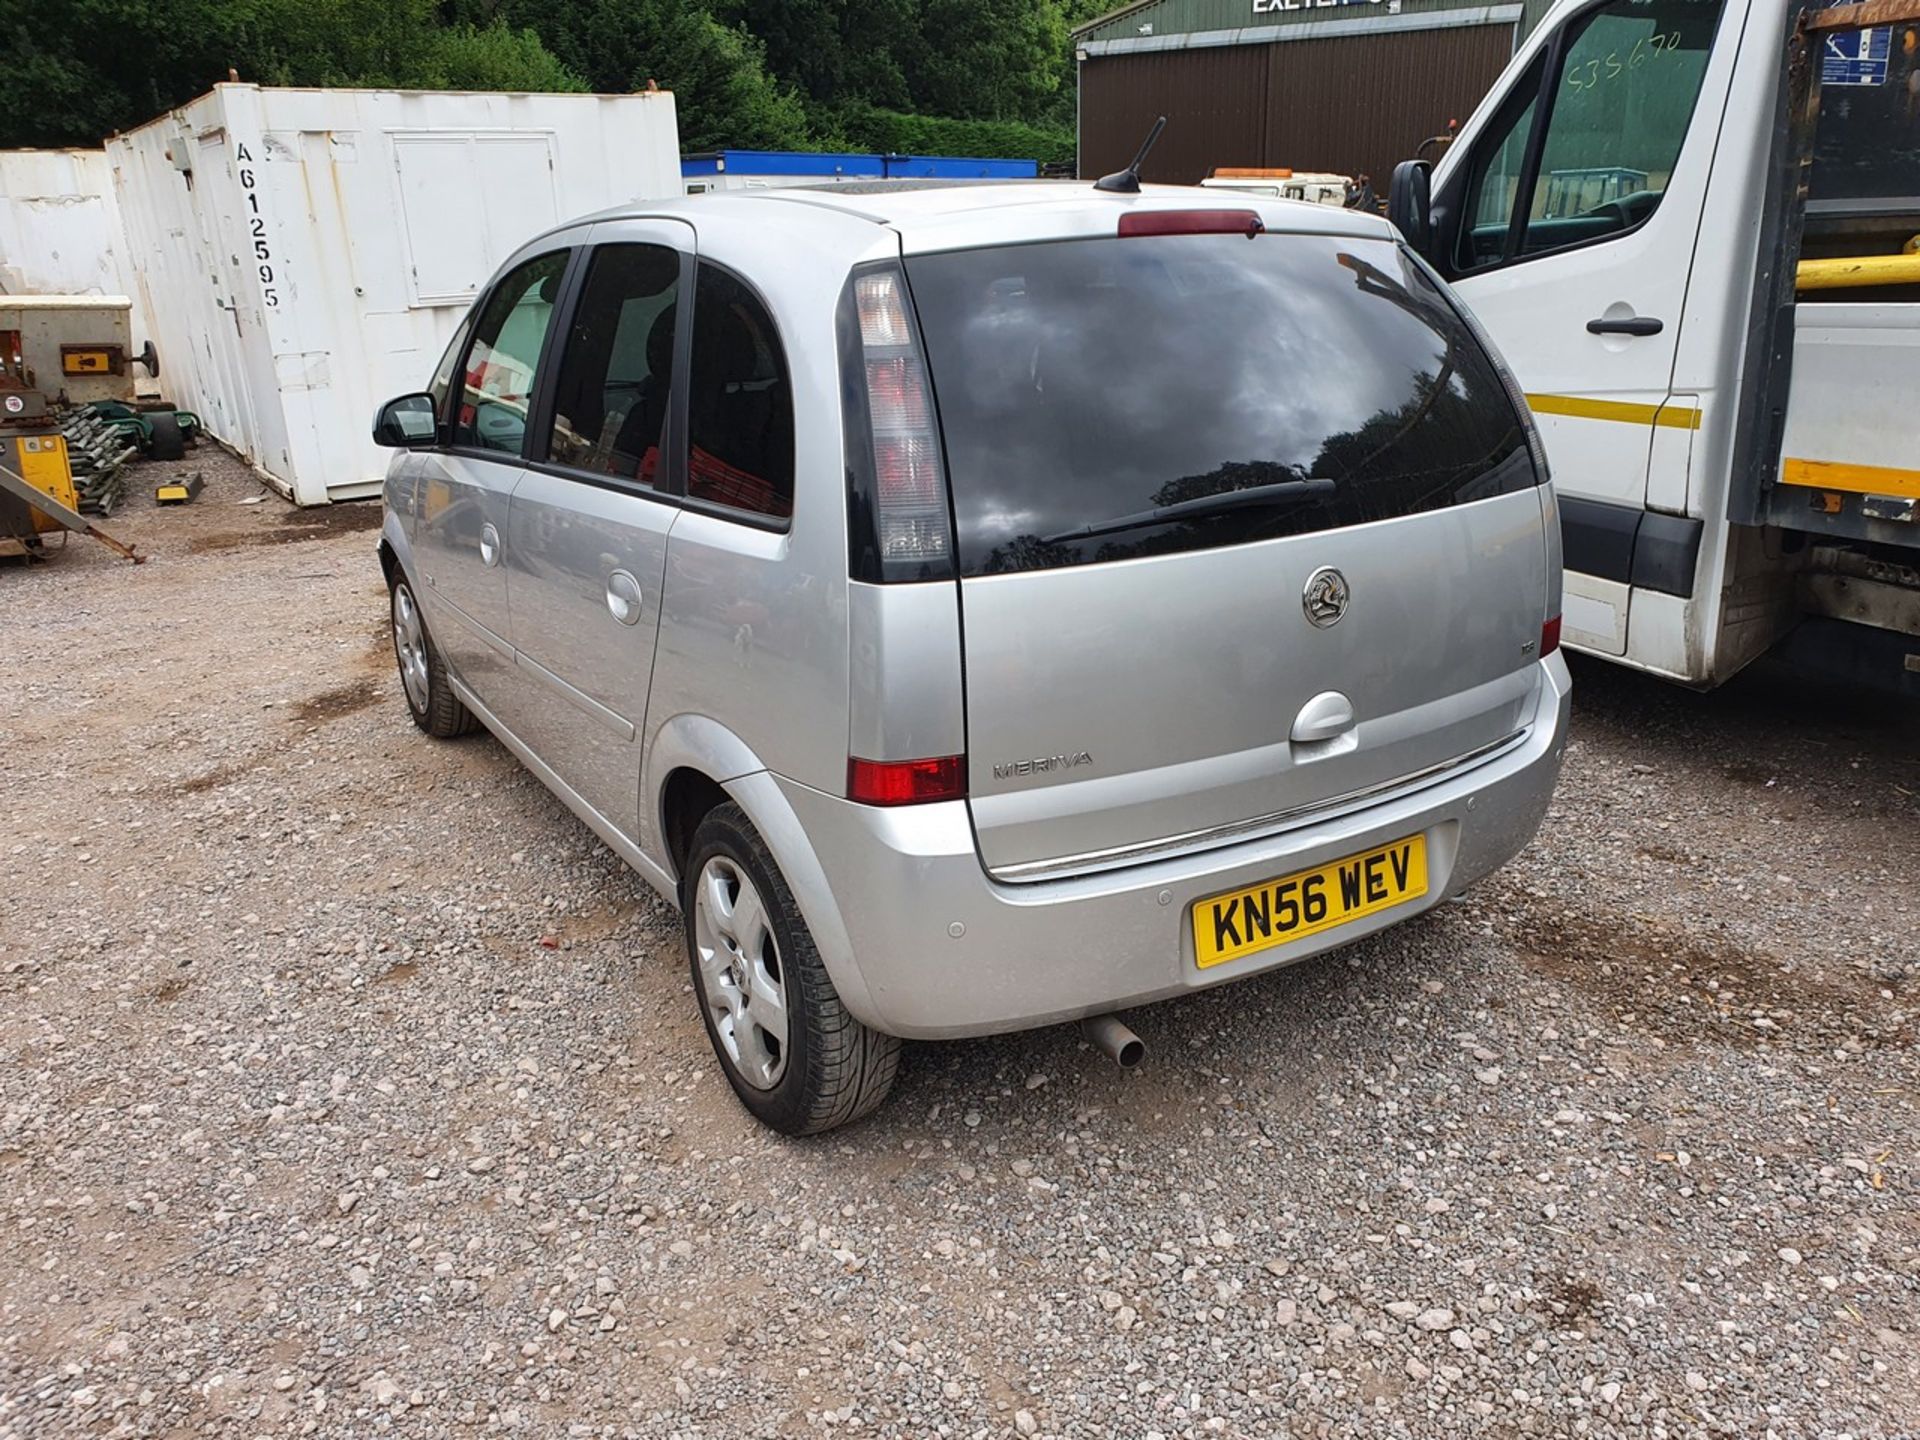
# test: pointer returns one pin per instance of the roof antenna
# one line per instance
(1127, 181)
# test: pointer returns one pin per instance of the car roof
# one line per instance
(921, 210)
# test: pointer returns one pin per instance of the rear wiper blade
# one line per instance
(1252, 497)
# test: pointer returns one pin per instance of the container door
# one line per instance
(461, 530)
(1247, 530)
(589, 521)
(227, 225)
(1571, 220)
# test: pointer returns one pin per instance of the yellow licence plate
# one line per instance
(1244, 922)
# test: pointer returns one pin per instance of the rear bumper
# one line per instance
(941, 949)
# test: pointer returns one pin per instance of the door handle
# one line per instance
(623, 597)
(1324, 716)
(1630, 325)
(489, 546)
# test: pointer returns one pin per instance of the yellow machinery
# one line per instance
(32, 447)
(37, 493)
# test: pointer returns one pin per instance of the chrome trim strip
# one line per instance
(579, 699)
(1258, 828)
(496, 643)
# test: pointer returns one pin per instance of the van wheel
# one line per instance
(793, 1054)
(423, 674)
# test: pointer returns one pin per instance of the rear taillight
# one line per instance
(1549, 637)
(906, 782)
(1190, 222)
(899, 524)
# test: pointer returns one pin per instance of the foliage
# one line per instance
(890, 132)
(975, 77)
(469, 57)
(723, 92)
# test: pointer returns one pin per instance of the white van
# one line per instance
(1316, 187)
(1737, 453)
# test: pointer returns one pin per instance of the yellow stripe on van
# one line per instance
(1677, 417)
(1859, 479)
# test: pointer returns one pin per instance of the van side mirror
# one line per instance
(1410, 203)
(406, 423)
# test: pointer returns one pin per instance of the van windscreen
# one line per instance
(1107, 399)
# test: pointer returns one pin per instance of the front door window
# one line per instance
(1616, 105)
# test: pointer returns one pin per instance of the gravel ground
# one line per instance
(351, 1087)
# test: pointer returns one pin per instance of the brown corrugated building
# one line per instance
(1348, 86)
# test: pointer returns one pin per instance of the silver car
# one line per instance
(977, 608)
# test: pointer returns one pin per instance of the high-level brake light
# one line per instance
(1191, 222)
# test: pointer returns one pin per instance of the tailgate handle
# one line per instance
(1324, 716)
(1628, 325)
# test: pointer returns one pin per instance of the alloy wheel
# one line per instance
(742, 982)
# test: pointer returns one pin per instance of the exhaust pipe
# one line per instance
(1114, 1040)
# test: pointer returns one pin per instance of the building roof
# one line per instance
(1182, 24)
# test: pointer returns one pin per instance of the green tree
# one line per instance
(468, 57)
(723, 93)
(77, 70)
(80, 69)
(988, 59)
(837, 52)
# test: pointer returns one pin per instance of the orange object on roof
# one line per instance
(1249, 172)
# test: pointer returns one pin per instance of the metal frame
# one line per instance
(1755, 495)
(17, 485)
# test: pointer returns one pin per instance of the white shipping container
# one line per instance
(306, 254)
(60, 228)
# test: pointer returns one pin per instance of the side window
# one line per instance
(1617, 107)
(739, 401)
(441, 385)
(616, 373)
(497, 388)
(1495, 187)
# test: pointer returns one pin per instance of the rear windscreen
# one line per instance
(1114, 398)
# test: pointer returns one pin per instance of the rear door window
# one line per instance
(1115, 398)
(739, 401)
(611, 400)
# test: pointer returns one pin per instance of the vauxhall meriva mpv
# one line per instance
(977, 608)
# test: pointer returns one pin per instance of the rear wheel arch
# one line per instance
(705, 752)
(687, 797)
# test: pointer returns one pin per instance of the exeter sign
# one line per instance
(1270, 7)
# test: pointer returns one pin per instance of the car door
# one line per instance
(588, 523)
(462, 490)
(1568, 223)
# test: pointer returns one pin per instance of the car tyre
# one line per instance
(423, 673)
(794, 1054)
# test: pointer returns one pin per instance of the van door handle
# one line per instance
(623, 597)
(1630, 325)
(489, 546)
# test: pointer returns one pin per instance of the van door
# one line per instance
(1568, 222)
(587, 527)
(461, 492)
